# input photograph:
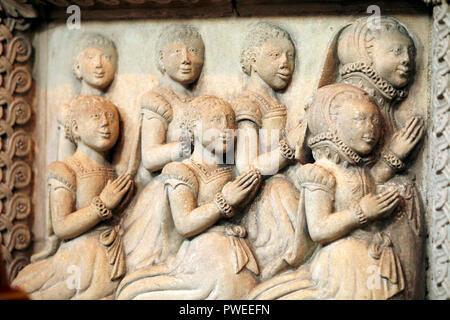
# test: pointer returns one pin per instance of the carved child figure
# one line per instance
(276, 233)
(380, 59)
(85, 259)
(95, 64)
(202, 196)
(180, 55)
(346, 215)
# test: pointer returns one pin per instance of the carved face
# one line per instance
(216, 130)
(183, 63)
(274, 62)
(393, 55)
(358, 124)
(98, 127)
(95, 68)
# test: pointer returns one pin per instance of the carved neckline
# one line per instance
(210, 174)
(269, 103)
(343, 151)
(83, 170)
(382, 85)
(173, 95)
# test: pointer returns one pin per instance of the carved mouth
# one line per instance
(284, 76)
(105, 134)
(99, 74)
(368, 139)
(186, 70)
(404, 71)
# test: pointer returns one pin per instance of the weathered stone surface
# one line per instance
(320, 117)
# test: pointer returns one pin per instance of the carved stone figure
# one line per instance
(94, 65)
(347, 213)
(276, 232)
(380, 59)
(85, 257)
(201, 197)
(164, 139)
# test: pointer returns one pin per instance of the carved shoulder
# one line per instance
(245, 109)
(61, 172)
(313, 174)
(154, 102)
(176, 173)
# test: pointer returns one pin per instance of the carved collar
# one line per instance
(329, 145)
(269, 106)
(207, 174)
(386, 89)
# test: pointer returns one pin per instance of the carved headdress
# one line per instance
(322, 127)
(350, 51)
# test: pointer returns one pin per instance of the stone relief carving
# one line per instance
(268, 58)
(164, 138)
(16, 143)
(440, 235)
(382, 63)
(213, 260)
(351, 227)
(85, 199)
(94, 65)
(345, 212)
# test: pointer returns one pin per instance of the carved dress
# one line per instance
(360, 265)
(215, 264)
(147, 240)
(275, 229)
(90, 265)
(408, 234)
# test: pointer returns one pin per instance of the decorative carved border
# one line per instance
(440, 144)
(15, 142)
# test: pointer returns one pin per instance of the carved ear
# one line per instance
(75, 134)
(77, 70)
(161, 63)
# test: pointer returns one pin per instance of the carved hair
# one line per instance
(96, 41)
(181, 33)
(255, 38)
(79, 105)
(202, 107)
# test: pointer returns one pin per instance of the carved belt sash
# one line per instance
(111, 238)
(242, 255)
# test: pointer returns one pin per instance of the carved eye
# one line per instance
(396, 51)
(376, 121)
(109, 115)
(95, 116)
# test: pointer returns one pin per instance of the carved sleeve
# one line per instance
(59, 175)
(189, 218)
(67, 221)
(314, 177)
(325, 225)
(245, 109)
(176, 173)
(154, 105)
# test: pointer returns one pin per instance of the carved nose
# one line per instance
(185, 56)
(405, 59)
(98, 61)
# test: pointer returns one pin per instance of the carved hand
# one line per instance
(404, 140)
(115, 190)
(379, 205)
(240, 188)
